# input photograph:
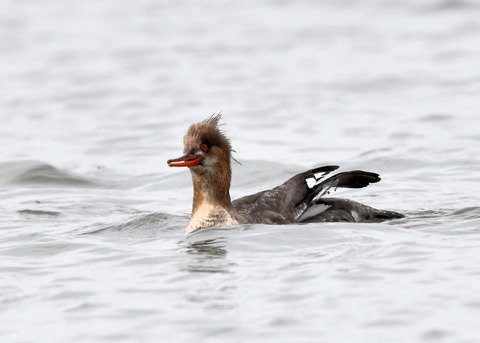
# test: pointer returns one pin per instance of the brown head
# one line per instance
(207, 152)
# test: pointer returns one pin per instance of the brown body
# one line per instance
(207, 152)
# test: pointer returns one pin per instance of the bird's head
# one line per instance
(206, 149)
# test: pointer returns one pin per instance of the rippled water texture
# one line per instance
(96, 96)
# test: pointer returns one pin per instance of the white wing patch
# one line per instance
(313, 211)
(315, 179)
(311, 182)
(325, 190)
(319, 176)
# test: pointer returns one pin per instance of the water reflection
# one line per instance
(208, 256)
(211, 270)
(211, 248)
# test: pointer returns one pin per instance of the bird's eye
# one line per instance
(204, 147)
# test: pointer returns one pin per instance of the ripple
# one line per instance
(146, 225)
(468, 212)
(40, 213)
(40, 174)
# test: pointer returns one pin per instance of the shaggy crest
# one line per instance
(208, 132)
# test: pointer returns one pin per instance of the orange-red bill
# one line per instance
(186, 160)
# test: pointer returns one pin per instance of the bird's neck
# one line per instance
(211, 201)
(211, 190)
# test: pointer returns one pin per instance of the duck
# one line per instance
(207, 152)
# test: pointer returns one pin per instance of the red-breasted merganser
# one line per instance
(207, 152)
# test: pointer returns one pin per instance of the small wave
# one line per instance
(468, 212)
(472, 212)
(451, 221)
(447, 5)
(147, 225)
(436, 117)
(40, 213)
(39, 173)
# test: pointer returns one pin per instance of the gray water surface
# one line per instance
(96, 96)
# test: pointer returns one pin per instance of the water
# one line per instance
(96, 96)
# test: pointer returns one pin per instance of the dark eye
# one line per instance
(204, 147)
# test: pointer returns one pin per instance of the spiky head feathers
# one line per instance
(207, 132)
